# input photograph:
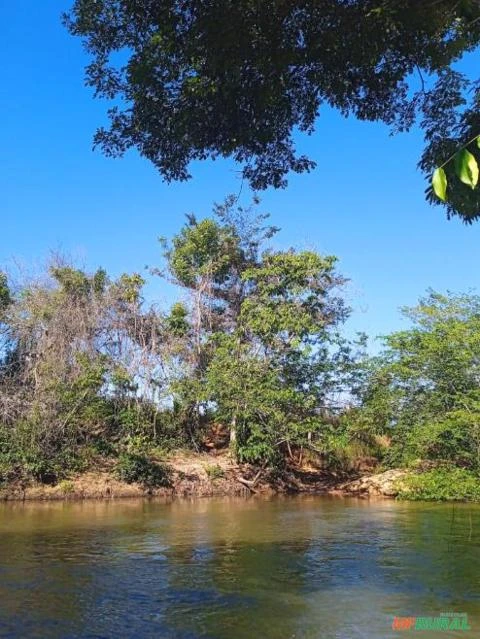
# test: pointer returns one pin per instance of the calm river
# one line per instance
(299, 567)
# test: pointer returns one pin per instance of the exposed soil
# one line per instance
(199, 475)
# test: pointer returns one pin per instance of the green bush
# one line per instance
(133, 467)
(8, 469)
(52, 469)
(215, 471)
(143, 424)
(442, 484)
(452, 440)
(45, 471)
(101, 446)
(67, 487)
(27, 453)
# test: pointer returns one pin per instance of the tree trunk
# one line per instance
(233, 432)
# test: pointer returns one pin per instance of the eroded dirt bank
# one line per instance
(203, 475)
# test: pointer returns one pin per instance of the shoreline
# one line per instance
(103, 486)
(205, 475)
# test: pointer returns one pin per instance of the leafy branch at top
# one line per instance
(465, 166)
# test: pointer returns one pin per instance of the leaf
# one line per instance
(439, 183)
(466, 168)
(478, 141)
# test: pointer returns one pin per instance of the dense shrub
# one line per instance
(442, 484)
(134, 467)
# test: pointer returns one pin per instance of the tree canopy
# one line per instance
(236, 78)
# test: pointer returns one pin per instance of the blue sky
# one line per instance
(363, 203)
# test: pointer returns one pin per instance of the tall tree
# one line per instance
(236, 78)
(207, 258)
(262, 350)
(274, 376)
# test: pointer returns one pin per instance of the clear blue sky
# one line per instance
(364, 203)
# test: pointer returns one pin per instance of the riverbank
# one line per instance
(208, 475)
(195, 475)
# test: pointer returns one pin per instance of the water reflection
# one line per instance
(235, 568)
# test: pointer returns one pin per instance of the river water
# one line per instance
(292, 567)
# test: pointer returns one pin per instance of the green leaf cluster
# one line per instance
(238, 78)
(466, 170)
